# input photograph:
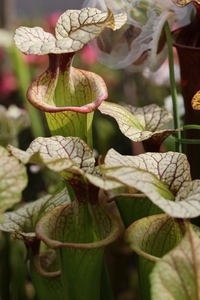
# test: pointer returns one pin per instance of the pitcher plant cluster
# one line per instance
(66, 232)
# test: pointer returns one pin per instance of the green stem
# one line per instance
(89, 130)
(81, 272)
(19, 271)
(191, 126)
(173, 83)
(23, 76)
(188, 141)
(106, 291)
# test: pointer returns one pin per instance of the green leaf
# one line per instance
(177, 276)
(13, 179)
(172, 168)
(161, 177)
(21, 222)
(154, 236)
(141, 123)
(72, 158)
(68, 154)
(125, 119)
(132, 206)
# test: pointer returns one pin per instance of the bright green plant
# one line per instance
(66, 233)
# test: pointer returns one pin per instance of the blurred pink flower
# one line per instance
(36, 60)
(50, 21)
(87, 56)
(8, 83)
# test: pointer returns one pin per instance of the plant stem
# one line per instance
(106, 291)
(188, 141)
(191, 126)
(23, 76)
(173, 83)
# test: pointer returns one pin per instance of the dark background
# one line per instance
(41, 7)
(11, 11)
